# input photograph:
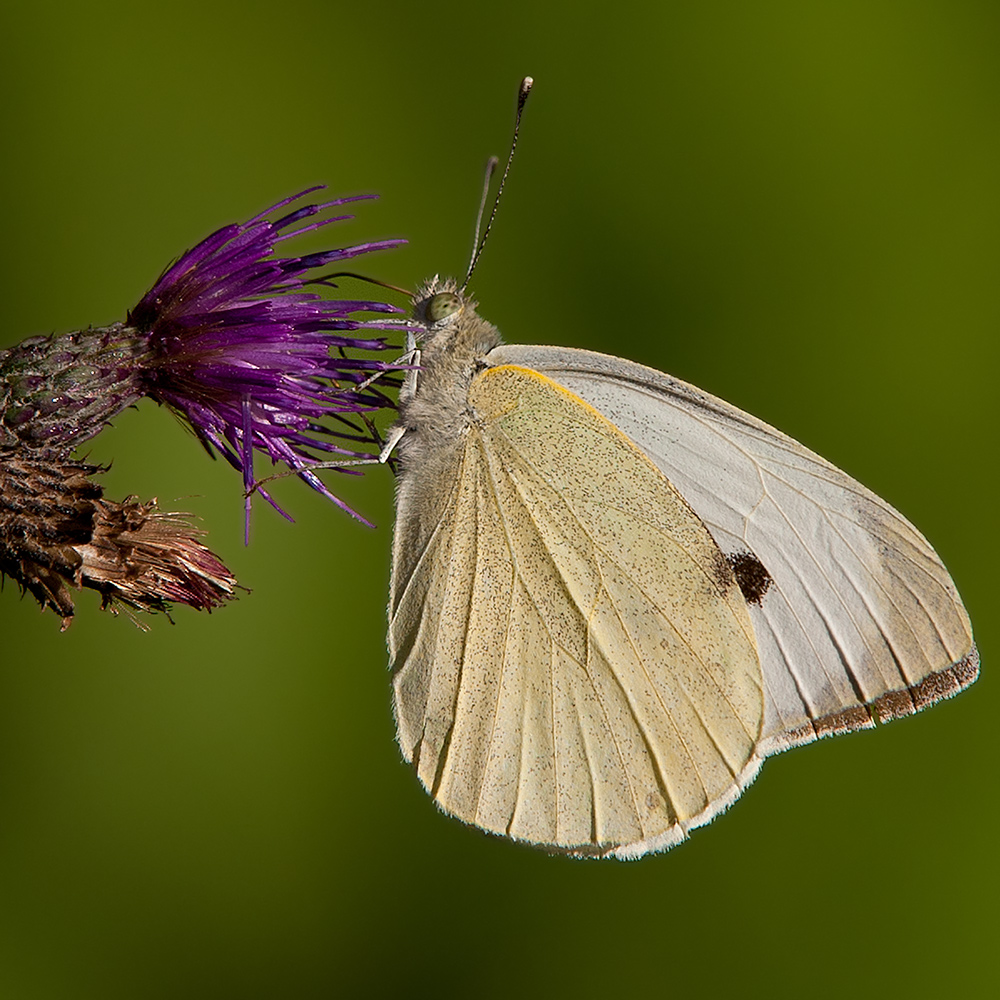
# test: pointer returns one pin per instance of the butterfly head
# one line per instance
(450, 322)
(439, 302)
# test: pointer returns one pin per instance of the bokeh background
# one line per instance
(793, 205)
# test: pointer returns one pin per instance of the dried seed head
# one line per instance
(58, 534)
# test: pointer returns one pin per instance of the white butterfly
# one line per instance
(614, 594)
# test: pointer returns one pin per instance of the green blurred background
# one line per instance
(792, 204)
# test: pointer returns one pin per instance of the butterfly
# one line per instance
(613, 595)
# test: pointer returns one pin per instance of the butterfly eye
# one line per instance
(442, 305)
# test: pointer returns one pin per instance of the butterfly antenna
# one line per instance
(522, 95)
(491, 166)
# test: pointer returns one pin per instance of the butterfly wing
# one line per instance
(854, 613)
(573, 662)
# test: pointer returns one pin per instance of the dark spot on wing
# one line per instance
(750, 574)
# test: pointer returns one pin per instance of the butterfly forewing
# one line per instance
(853, 611)
(574, 664)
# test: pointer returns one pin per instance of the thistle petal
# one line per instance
(255, 361)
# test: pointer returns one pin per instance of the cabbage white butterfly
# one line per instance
(613, 594)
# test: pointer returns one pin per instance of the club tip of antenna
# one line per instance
(526, 84)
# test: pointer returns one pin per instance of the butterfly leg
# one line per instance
(407, 391)
(409, 387)
(392, 439)
(410, 356)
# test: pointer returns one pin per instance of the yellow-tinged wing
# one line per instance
(573, 662)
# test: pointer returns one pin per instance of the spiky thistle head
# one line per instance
(252, 357)
(234, 338)
(238, 341)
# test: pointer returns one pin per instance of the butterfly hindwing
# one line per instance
(573, 661)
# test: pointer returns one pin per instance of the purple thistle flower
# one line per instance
(242, 350)
(237, 341)
(231, 338)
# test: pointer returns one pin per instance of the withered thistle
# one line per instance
(58, 533)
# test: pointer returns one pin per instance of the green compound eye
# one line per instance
(442, 305)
